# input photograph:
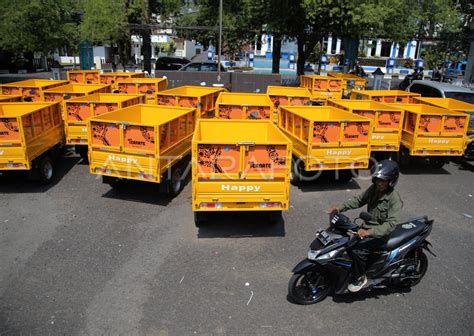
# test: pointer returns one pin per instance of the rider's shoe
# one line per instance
(358, 284)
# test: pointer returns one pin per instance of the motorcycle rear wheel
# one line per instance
(421, 268)
(308, 288)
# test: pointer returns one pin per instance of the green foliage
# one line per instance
(39, 25)
(165, 47)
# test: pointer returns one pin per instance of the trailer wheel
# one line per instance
(200, 219)
(436, 162)
(175, 184)
(46, 170)
(296, 172)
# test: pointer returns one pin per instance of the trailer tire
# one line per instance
(175, 183)
(45, 170)
(200, 219)
(296, 172)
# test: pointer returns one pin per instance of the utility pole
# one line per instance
(220, 43)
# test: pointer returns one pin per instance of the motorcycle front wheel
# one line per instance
(308, 288)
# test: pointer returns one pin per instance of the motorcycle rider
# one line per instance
(384, 204)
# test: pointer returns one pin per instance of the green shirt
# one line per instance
(385, 210)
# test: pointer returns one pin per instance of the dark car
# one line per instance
(171, 63)
(202, 66)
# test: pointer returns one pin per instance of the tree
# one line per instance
(39, 26)
(108, 22)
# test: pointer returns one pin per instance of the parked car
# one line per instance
(441, 90)
(454, 69)
(171, 63)
(202, 66)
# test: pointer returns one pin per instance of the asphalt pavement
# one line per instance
(78, 258)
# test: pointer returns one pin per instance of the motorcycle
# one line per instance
(401, 261)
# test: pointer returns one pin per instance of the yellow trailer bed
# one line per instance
(240, 165)
(326, 138)
(332, 87)
(10, 98)
(79, 110)
(142, 142)
(286, 95)
(385, 96)
(71, 91)
(146, 86)
(432, 132)
(450, 104)
(458, 106)
(203, 99)
(30, 137)
(386, 126)
(349, 80)
(84, 76)
(253, 106)
(113, 78)
(31, 89)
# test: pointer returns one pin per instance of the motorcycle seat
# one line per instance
(403, 233)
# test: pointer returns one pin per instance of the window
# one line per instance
(209, 67)
(192, 67)
(386, 49)
(425, 91)
(463, 96)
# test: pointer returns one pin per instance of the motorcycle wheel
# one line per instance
(308, 288)
(421, 267)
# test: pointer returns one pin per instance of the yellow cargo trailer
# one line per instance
(330, 86)
(385, 96)
(113, 78)
(31, 89)
(459, 106)
(10, 98)
(350, 81)
(143, 142)
(200, 97)
(432, 132)
(84, 76)
(31, 136)
(146, 86)
(71, 91)
(326, 138)
(386, 126)
(239, 165)
(286, 95)
(79, 110)
(254, 106)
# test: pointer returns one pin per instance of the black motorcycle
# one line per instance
(400, 262)
(410, 78)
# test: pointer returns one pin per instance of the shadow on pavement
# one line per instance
(373, 294)
(463, 164)
(241, 225)
(327, 182)
(141, 192)
(362, 296)
(18, 182)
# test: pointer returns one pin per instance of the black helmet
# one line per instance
(386, 170)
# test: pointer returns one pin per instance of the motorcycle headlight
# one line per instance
(312, 254)
(330, 255)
